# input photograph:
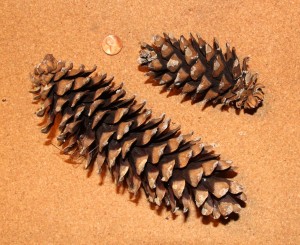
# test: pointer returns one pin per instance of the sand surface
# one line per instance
(43, 199)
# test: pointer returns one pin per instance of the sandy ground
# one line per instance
(43, 199)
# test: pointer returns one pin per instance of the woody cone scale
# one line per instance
(100, 123)
(202, 71)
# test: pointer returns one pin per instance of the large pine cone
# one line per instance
(202, 71)
(101, 124)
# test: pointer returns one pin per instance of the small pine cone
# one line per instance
(201, 71)
(99, 123)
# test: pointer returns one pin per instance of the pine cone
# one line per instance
(202, 71)
(100, 123)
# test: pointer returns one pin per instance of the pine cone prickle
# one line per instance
(101, 124)
(202, 71)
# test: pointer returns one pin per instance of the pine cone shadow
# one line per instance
(122, 188)
(74, 159)
(207, 220)
(159, 211)
(35, 102)
(253, 111)
(171, 92)
(135, 198)
(230, 174)
(53, 131)
(143, 69)
(187, 97)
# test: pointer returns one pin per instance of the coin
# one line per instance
(112, 45)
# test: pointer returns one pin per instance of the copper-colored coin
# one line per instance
(112, 45)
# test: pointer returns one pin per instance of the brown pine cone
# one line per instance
(201, 71)
(101, 124)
